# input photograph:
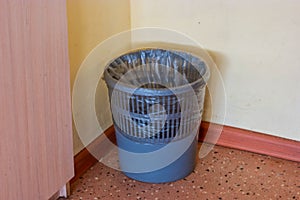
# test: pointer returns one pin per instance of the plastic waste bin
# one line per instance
(156, 99)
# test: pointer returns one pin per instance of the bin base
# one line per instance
(178, 169)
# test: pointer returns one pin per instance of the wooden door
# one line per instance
(36, 157)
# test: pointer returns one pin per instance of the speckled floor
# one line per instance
(223, 174)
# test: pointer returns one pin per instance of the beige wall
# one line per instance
(89, 23)
(256, 46)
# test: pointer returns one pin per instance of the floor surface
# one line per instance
(223, 174)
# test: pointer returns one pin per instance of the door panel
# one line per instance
(36, 157)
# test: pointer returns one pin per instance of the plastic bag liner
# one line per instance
(156, 95)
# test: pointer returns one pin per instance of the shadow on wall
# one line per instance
(215, 82)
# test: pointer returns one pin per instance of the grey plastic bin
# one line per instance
(156, 100)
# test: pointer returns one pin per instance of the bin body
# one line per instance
(156, 100)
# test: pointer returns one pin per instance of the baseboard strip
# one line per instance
(256, 142)
(89, 156)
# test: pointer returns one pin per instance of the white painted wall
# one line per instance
(256, 46)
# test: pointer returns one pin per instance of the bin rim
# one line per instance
(130, 88)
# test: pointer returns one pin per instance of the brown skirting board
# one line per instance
(256, 142)
(84, 159)
(230, 137)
